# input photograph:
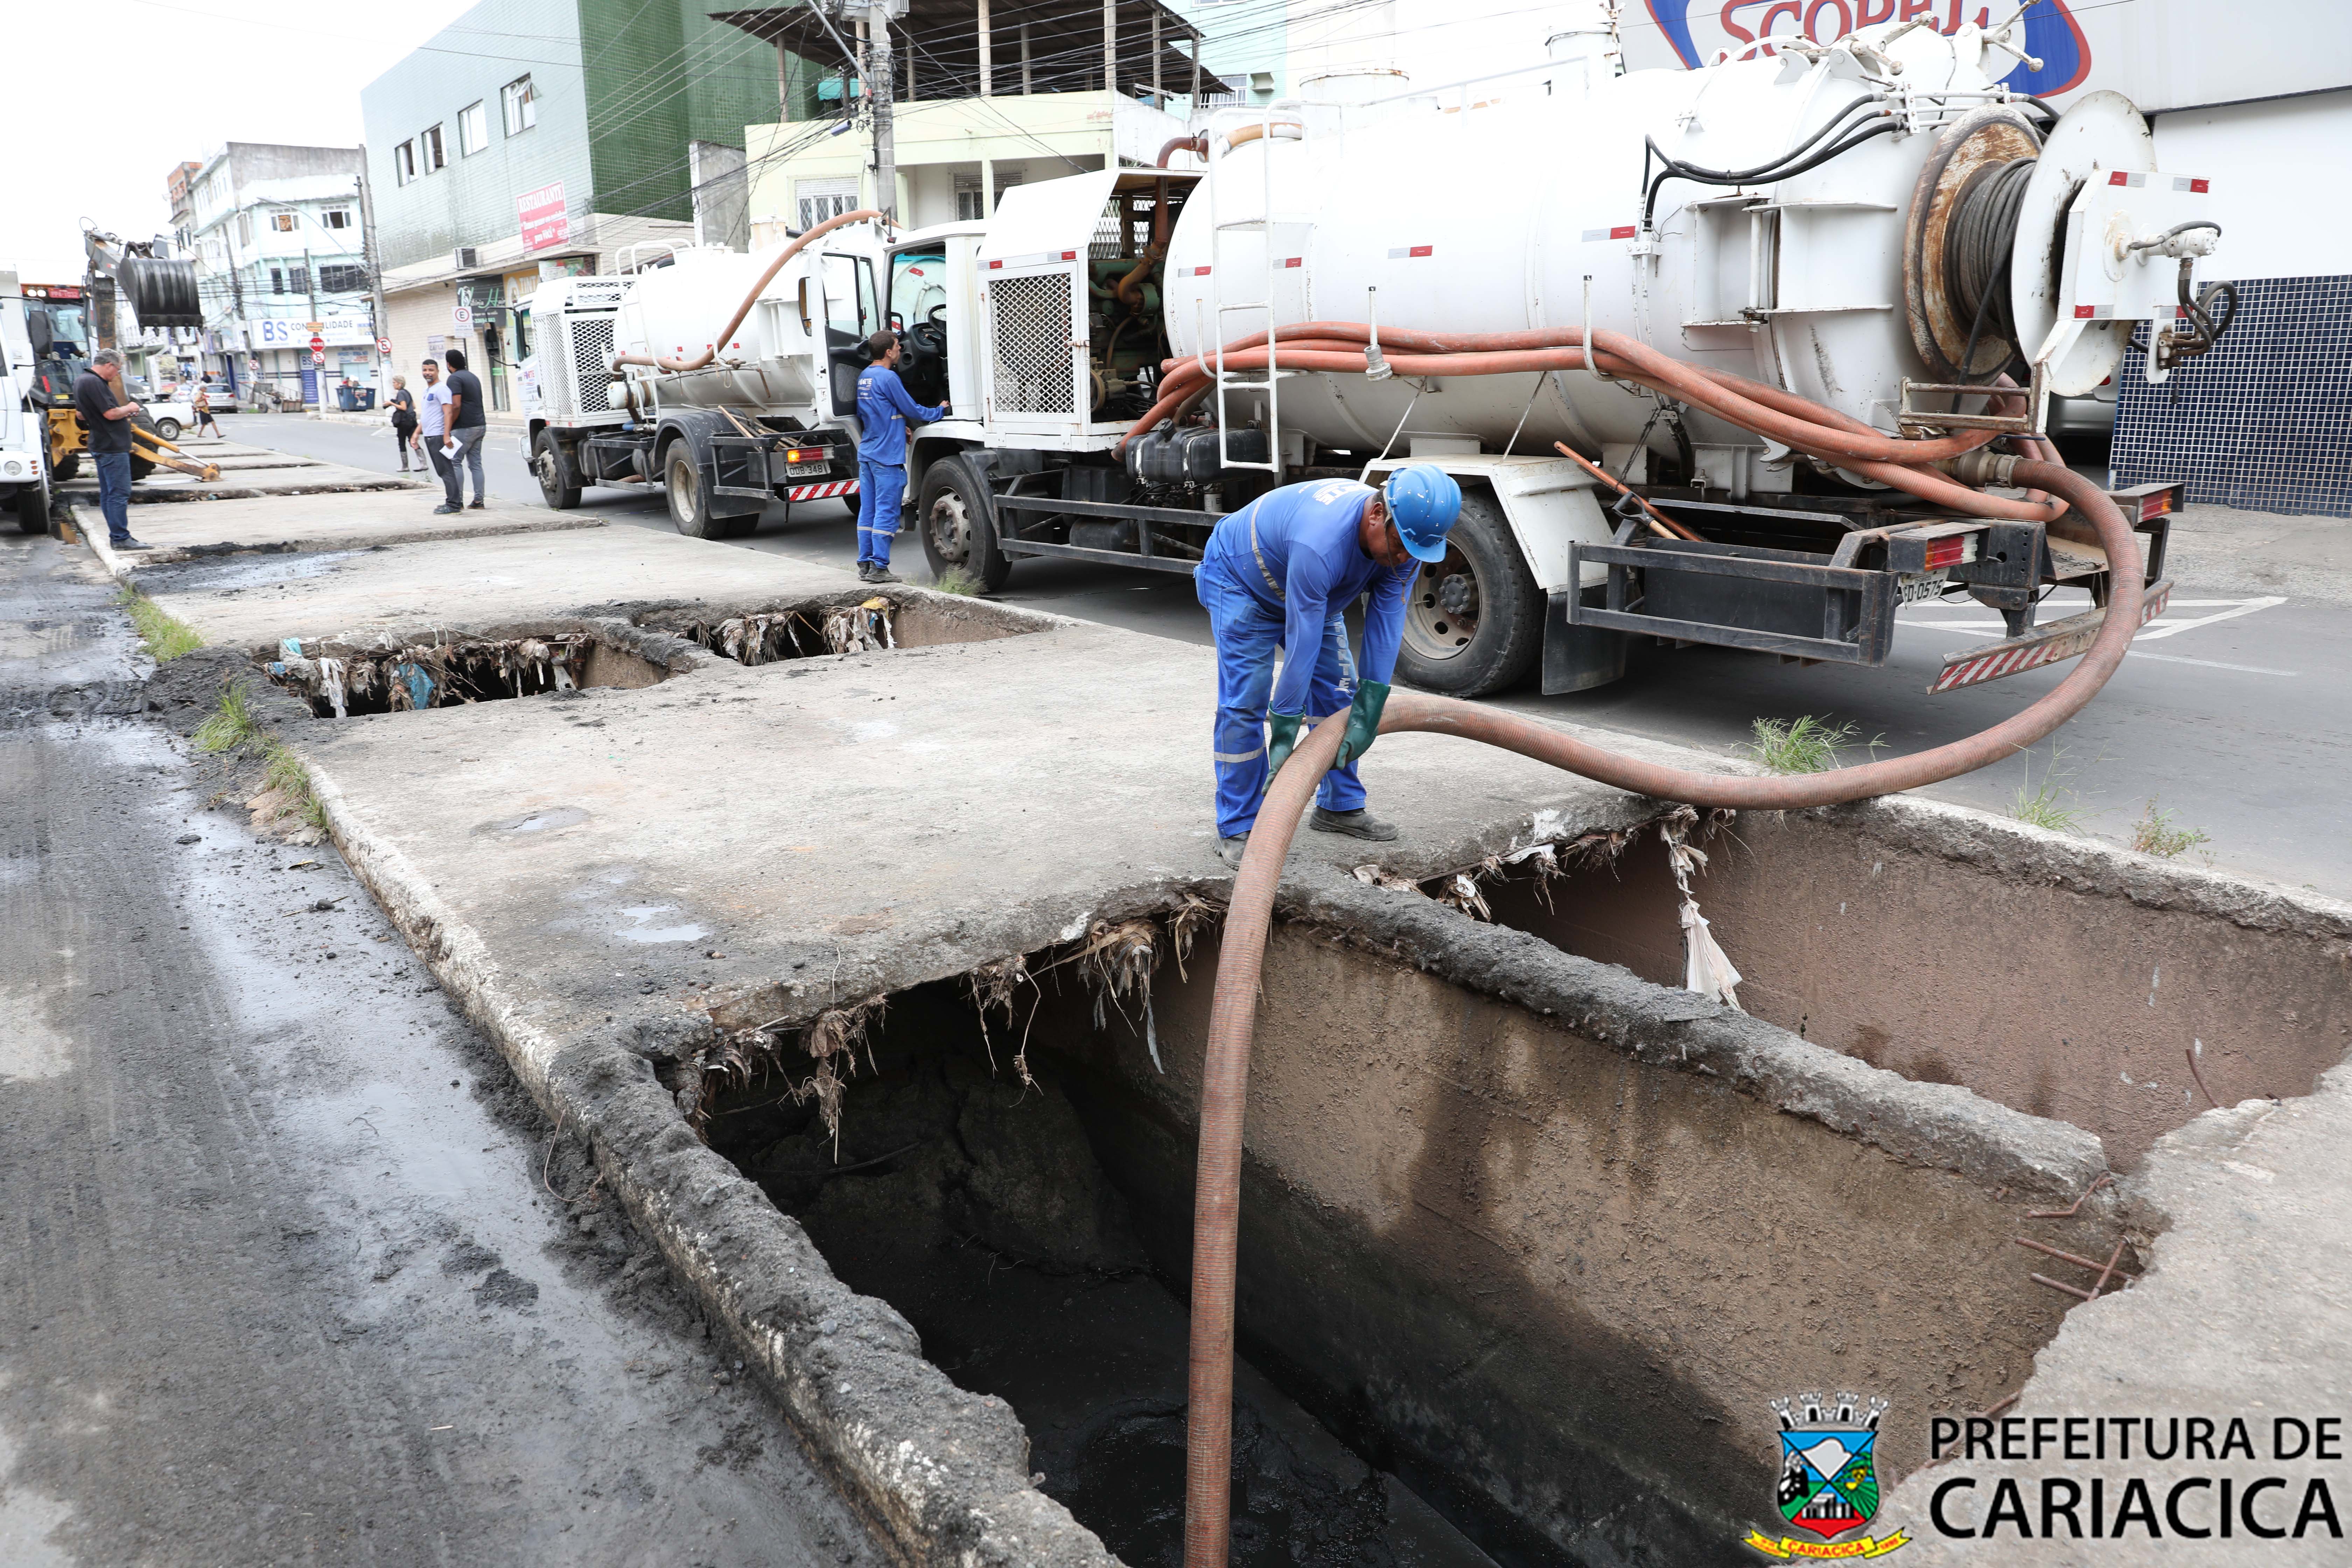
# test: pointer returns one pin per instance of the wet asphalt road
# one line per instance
(2233, 715)
(294, 1272)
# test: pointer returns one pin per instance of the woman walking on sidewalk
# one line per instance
(403, 423)
(204, 406)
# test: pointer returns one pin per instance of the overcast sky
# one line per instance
(183, 78)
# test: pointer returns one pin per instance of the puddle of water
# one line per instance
(640, 930)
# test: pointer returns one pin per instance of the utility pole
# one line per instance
(1159, 99)
(987, 57)
(1110, 47)
(878, 88)
(1027, 85)
(310, 285)
(381, 323)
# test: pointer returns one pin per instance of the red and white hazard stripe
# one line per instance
(826, 491)
(2061, 641)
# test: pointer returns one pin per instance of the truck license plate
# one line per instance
(807, 470)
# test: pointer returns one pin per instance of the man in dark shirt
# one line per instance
(468, 425)
(106, 415)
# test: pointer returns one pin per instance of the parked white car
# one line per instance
(171, 414)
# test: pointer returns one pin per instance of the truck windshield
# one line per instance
(918, 286)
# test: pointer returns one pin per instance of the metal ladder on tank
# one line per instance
(1219, 307)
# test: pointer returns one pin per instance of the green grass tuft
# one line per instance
(229, 727)
(2155, 834)
(166, 639)
(1806, 744)
(2052, 806)
(955, 580)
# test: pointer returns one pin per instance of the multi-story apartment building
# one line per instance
(534, 138)
(277, 234)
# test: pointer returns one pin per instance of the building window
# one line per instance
(403, 163)
(336, 218)
(967, 194)
(298, 280)
(278, 280)
(822, 199)
(245, 230)
(437, 157)
(520, 106)
(341, 279)
(473, 129)
(283, 223)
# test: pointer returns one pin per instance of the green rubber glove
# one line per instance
(1363, 719)
(1285, 736)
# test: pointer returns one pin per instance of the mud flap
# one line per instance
(1578, 658)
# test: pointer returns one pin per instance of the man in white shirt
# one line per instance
(433, 430)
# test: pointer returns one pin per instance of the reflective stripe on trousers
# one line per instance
(1248, 635)
(880, 488)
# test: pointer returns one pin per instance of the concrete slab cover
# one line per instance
(470, 580)
(343, 522)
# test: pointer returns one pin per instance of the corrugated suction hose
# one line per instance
(1232, 1016)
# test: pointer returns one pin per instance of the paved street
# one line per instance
(2228, 677)
(296, 1274)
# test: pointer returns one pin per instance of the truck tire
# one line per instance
(32, 505)
(141, 465)
(557, 481)
(1474, 621)
(67, 467)
(959, 525)
(682, 485)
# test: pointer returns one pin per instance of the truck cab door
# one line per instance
(851, 315)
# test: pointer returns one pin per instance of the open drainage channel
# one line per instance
(1531, 1244)
(341, 681)
(841, 624)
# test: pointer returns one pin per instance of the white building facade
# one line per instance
(279, 236)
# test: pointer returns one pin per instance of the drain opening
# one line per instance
(816, 628)
(342, 683)
(977, 1206)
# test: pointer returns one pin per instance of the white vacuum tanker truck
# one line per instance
(1874, 232)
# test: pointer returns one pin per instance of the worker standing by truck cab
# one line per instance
(883, 409)
(1280, 573)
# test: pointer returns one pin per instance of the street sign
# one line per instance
(384, 345)
(314, 326)
(461, 318)
(317, 343)
(318, 357)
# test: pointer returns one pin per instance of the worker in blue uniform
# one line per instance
(883, 410)
(1280, 573)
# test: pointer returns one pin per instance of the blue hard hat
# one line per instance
(1424, 503)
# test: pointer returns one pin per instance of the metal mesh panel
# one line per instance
(1033, 345)
(590, 342)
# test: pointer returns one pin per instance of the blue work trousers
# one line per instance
(114, 493)
(1247, 635)
(880, 488)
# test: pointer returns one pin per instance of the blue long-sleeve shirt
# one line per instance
(883, 410)
(1309, 541)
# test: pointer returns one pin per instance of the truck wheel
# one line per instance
(557, 482)
(959, 525)
(682, 482)
(1474, 621)
(32, 504)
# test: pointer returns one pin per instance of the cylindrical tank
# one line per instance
(1522, 208)
(766, 363)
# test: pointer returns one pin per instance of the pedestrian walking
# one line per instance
(433, 431)
(403, 403)
(106, 417)
(1280, 573)
(468, 425)
(203, 405)
(884, 406)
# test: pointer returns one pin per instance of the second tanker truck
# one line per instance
(1735, 356)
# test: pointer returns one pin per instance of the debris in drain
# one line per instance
(434, 675)
(769, 636)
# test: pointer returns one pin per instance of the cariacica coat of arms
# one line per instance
(1829, 1479)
